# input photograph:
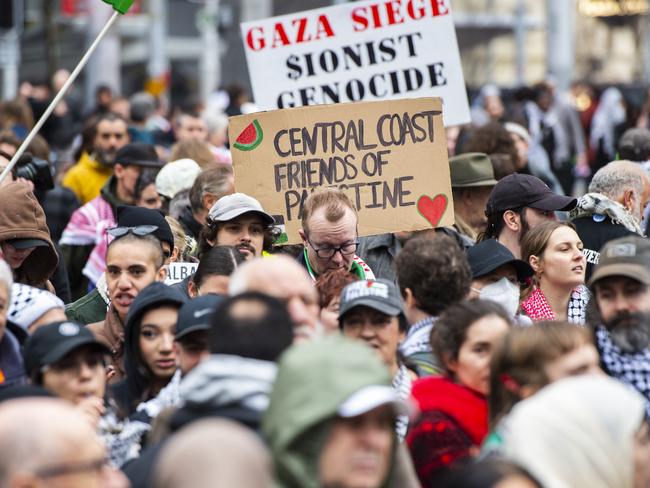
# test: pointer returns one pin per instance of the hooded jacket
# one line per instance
(228, 386)
(313, 380)
(22, 217)
(134, 389)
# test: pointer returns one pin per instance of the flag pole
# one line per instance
(59, 96)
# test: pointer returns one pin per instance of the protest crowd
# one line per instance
(156, 330)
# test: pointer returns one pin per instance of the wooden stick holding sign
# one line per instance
(120, 7)
(389, 157)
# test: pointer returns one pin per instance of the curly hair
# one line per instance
(435, 270)
(209, 234)
(450, 332)
(330, 284)
(492, 138)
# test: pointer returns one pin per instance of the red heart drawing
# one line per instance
(432, 209)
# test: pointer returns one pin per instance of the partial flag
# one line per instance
(122, 6)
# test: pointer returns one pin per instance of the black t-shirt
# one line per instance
(595, 232)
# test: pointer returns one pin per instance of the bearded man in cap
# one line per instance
(621, 288)
(517, 204)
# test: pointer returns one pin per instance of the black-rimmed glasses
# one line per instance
(326, 252)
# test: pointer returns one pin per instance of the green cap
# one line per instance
(471, 169)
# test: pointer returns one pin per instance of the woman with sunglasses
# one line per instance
(134, 260)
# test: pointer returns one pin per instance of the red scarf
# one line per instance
(536, 307)
(467, 407)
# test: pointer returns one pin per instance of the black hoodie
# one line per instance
(134, 389)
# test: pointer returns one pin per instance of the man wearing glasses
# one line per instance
(329, 235)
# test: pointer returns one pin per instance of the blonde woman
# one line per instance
(557, 292)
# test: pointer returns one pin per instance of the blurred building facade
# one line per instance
(506, 42)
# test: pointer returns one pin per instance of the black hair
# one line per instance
(147, 177)
(436, 271)
(495, 223)
(209, 233)
(218, 261)
(450, 332)
(150, 239)
(251, 325)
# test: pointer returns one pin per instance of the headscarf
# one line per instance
(577, 432)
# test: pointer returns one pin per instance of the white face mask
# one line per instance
(504, 292)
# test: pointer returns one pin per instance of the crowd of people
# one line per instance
(511, 349)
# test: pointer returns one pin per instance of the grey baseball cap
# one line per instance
(232, 206)
(381, 295)
(627, 256)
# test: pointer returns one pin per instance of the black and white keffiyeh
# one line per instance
(577, 311)
(631, 369)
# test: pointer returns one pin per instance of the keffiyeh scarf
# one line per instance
(631, 369)
(537, 308)
(596, 203)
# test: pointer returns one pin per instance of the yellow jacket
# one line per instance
(86, 178)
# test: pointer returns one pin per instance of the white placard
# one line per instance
(370, 50)
(177, 272)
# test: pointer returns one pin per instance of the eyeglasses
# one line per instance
(329, 251)
(96, 465)
(139, 230)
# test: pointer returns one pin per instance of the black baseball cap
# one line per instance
(130, 216)
(51, 343)
(26, 243)
(489, 255)
(520, 190)
(196, 315)
(138, 154)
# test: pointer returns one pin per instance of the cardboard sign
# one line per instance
(389, 157)
(177, 272)
(358, 51)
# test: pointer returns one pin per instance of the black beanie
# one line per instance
(129, 216)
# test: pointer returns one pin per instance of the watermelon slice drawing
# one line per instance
(250, 137)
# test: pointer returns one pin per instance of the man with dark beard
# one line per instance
(108, 134)
(517, 204)
(621, 287)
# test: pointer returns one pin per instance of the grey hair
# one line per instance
(215, 121)
(6, 278)
(613, 179)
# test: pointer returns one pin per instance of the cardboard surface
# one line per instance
(357, 51)
(389, 157)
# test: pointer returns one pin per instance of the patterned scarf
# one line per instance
(596, 203)
(631, 369)
(537, 308)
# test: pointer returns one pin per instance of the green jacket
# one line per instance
(313, 380)
(89, 309)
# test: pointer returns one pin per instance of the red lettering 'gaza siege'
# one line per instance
(295, 31)
(391, 12)
(372, 16)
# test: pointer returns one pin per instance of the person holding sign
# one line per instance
(329, 235)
